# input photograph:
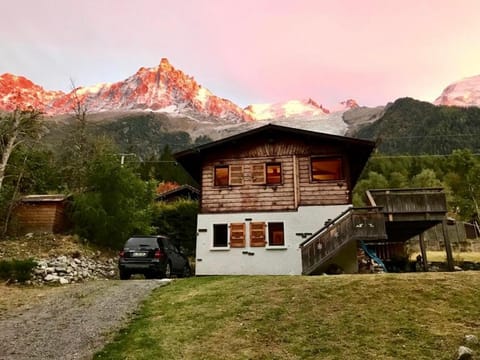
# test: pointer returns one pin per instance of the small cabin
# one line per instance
(40, 213)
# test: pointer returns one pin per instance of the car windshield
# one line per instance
(141, 242)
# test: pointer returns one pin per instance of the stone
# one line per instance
(63, 281)
(50, 277)
(457, 268)
(464, 353)
(471, 339)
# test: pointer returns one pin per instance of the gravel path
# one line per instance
(74, 323)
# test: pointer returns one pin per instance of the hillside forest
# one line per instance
(113, 181)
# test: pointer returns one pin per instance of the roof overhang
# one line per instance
(357, 150)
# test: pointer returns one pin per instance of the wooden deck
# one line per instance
(395, 216)
(409, 212)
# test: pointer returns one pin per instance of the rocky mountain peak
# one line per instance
(465, 92)
(162, 89)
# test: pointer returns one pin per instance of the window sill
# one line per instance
(283, 247)
(219, 248)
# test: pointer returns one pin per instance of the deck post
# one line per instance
(421, 241)
(448, 246)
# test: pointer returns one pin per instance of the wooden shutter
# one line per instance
(236, 174)
(257, 234)
(258, 174)
(237, 235)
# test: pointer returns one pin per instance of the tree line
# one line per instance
(113, 199)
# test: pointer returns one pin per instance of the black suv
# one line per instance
(153, 256)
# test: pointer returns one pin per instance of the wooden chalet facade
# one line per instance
(264, 191)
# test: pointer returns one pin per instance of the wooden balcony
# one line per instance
(409, 212)
(423, 204)
(353, 224)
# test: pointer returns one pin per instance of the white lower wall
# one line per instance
(259, 260)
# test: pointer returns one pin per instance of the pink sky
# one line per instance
(250, 51)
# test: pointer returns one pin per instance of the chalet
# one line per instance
(278, 200)
(265, 191)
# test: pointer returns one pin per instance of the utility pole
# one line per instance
(122, 157)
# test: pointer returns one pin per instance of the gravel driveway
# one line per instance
(73, 323)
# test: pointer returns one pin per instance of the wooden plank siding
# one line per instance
(296, 188)
(39, 217)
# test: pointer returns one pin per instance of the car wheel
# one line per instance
(186, 272)
(124, 275)
(168, 270)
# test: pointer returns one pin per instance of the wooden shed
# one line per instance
(40, 213)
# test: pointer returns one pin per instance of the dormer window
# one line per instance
(326, 168)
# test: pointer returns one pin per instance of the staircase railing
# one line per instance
(352, 224)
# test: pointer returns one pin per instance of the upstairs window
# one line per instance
(327, 168)
(274, 173)
(221, 175)
(258, 174)
(226, 175)
(276, 235)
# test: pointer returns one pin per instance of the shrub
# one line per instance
(17, 270)
(178, 220)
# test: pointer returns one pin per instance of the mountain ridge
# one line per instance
(159, 89)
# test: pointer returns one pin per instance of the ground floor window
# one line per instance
(237, 235)
(276, 234)
(220, 235)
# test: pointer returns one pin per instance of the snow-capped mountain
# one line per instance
(19, 91)
(162, 88)
(465, 92)
(296, 109)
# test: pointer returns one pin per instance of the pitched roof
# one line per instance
(179, 191)
(359, 149)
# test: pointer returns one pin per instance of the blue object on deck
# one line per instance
(373, 255)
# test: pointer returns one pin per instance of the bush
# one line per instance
(115, 205)
(178, 220)
(17, 270)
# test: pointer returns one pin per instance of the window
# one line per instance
(236, 175)
(276, 234)
(226, 175)
(257, 234)
(274, 173)
(220, 235)
(237, 235)
(326, 168)
(221, 175)
(258, 174)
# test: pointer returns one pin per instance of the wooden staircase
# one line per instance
(353, 224)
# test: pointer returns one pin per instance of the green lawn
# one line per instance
(384, 316)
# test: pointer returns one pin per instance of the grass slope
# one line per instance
(391, 316)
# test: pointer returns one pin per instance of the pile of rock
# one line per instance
(66, 270)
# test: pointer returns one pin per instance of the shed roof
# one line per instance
(44, 198)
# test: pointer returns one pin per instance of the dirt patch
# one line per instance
(50, 245)
(71, 322)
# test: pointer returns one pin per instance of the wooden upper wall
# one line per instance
(293, 149)
(296, 187)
